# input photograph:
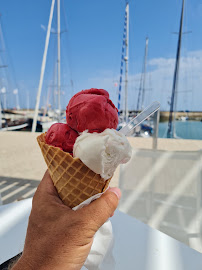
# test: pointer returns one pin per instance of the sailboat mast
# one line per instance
(0, 91)
(27, 100)
(126, 62)
(58, 61)
(0, 114)
(143, 77)
(122, 60)
(144, 70)
(170, 133)
(43, 65)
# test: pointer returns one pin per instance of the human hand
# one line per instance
(58, 237)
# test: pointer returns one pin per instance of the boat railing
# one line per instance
(164, 190)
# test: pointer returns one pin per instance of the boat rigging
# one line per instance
(171, 130)
(56, 115)
(124, 58)
(144, 130)
(143, 79)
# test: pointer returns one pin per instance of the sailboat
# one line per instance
(171, 133)
(143, 130)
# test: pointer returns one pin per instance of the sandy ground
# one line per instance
(20, 155)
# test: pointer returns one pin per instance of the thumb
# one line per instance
(101, 209)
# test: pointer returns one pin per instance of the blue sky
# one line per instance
(91, 49)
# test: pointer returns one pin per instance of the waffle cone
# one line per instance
(74, 181)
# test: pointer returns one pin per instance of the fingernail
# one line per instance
(116, 191)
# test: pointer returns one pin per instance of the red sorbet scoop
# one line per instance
(92, 110)
(62, 136)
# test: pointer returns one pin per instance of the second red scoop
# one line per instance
(91, 110)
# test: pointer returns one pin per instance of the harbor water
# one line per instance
(184, 129)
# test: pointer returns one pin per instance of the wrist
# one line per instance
(22, 263)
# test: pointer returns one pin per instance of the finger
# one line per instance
(46, 184)
(46, 187)
(101, 209)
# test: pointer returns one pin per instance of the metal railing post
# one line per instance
(156, 129)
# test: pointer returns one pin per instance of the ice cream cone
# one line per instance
(74, 181)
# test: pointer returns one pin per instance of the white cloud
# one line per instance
(190, 80)
(159, 80)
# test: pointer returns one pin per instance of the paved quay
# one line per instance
(22, 165)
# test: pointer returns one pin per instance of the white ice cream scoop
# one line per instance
(102, 152)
